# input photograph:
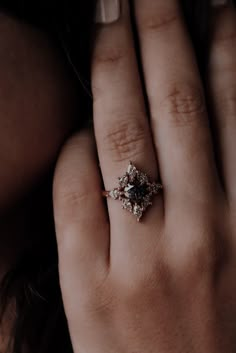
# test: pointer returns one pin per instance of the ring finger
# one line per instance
(121, 125)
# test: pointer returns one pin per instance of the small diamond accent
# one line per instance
(114, 194)
(138, 211)
(131, 169)
(127, 205)
(124, 180)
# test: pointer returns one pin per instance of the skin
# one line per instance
(37, 106)
(166, 284)
(38, 109)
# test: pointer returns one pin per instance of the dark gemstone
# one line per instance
(136, 193)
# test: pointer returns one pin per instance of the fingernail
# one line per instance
(218, 3)
(107, 11)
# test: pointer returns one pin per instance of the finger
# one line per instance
(121, 126)
(222, 78)
(80, 218)
(177, 106)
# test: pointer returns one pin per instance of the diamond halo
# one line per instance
(135, 191)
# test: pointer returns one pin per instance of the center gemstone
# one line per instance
(136, 193)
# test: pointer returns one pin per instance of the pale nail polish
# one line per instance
(107, 11)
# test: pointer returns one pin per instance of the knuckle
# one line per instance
(152, 22)
(126, 139)
(201, 260)
(95, 300)
(110, 56)
(184, 105)
(74, 205)
(150, 281)
(73, 196)
(100, 299)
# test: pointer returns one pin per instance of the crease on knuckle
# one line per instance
(184, 105)
(126, 140)
(152, 22)
(72, 196)
(110, 56)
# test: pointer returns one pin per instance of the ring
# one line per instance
(135, 191)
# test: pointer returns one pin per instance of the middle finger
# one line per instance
(179, 119)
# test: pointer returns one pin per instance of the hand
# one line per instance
(166, 284)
